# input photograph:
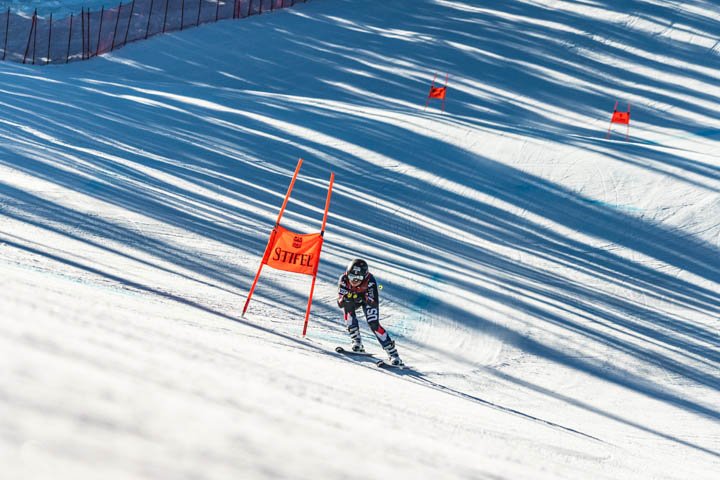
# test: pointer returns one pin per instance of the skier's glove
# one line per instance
(352, 299)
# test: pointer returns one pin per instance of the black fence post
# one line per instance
(7, 28)
(199, 12)
(89, 39)
(86, 35)
(165, 20)
(30, 36)
(89, 46)
(217, 10)
(182, 15)
(102, 17)
(67, 56)
(82, 27)
(147, 29)
(47, 59)
(117, 21)
(250, 8)
(127, 31)
(35, 38)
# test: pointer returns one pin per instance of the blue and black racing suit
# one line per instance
(364, 295)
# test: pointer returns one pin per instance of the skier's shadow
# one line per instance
(419, 378)
(370, 362)
(406, 371)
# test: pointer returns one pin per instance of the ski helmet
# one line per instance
(357, 270)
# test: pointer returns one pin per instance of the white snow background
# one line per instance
(556, 294)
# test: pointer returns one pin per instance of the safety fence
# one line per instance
(41, 41)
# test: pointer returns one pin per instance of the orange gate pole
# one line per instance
(272, 236)
(447, 75)
(610, 127)
(627, 134)
(317, 264)
(432, 85)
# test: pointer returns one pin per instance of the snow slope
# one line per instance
(555, 293)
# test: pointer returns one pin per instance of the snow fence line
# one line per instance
(41, 41)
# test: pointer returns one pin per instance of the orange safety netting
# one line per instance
(42, 38)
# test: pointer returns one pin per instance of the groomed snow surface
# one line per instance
(555, 293)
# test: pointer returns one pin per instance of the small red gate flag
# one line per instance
(621, 117)
(437, 92)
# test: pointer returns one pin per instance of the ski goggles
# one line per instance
(355, 278)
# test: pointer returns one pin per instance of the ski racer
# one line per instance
(357, 288)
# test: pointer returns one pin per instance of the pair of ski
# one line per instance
(379, 363)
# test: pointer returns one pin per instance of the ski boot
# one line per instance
(356, 345)
(394, 358)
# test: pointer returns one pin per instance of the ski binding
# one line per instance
(387, 364)
(351, 352)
